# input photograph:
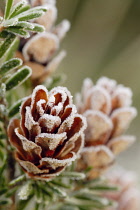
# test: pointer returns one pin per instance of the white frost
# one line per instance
(49, 121)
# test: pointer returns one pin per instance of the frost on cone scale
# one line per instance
(49, 135)
(107, 108)
(128, 195)
(39, 50)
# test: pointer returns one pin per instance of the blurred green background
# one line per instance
(104, 40)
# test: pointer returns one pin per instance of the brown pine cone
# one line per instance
(128, 195)
(49, 135)
(107, 108)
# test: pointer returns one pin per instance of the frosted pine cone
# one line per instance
(49, 135)
(128, 195)
(39, 50)
(107, 107)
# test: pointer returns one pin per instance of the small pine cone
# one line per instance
(49, 18)
(107, 108)
(39, 51)
(128, 195)
(49, 135)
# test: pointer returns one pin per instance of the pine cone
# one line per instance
(107, 107)
(38, 51)
(49, 135)
(128, 195)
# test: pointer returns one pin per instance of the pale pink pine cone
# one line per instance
(39, 51)
(50, 133)
(107, 108)
(128, 196)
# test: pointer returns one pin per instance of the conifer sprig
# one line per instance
(14, 24)
(16, 17)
